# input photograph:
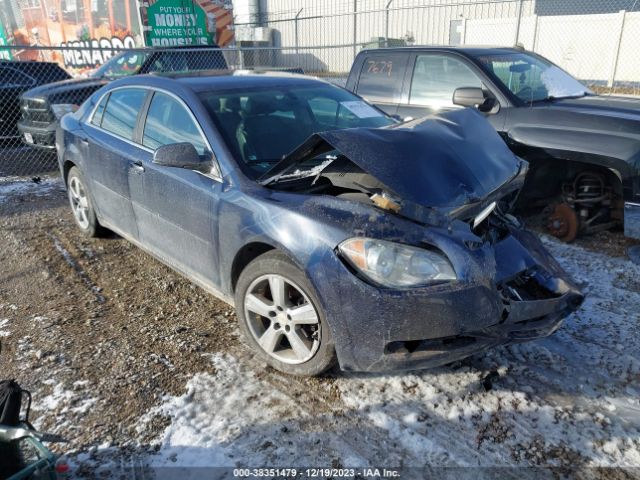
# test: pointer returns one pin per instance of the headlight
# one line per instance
(60, 109)
(396, 265)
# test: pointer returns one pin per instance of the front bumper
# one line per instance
(524, 296)
(632, 220)
(39, 136)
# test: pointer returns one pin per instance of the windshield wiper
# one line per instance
(551, 98)
(266, 160)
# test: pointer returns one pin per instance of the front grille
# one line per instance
(433, 346)
(44, 139)
(526, 286)
(36, 112)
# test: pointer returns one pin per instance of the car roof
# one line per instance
(467, 50)
(207, 80)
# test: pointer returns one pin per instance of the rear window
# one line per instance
(121, 112)
(97, 116)
(381, 77)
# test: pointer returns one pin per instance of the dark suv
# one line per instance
(15, 78)
(43, 107)
(583, 148)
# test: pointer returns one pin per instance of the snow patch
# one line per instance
(16, 186)
(215, 416)
(4, 323)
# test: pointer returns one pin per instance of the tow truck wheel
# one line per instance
(563, 223)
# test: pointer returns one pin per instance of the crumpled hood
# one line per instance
(445, 160)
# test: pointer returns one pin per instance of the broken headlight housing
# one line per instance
(395, 265)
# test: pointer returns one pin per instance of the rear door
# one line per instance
(381, 79)
(176, 208)
(113, 156)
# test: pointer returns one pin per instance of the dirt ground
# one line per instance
(102, 316)
(103, 334)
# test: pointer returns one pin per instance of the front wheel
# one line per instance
(279, 315)
(83, 211)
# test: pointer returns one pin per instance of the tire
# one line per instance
(282, 325)
(82, 207)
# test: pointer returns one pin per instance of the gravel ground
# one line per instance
(145, 374)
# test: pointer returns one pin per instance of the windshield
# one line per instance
(122, 65)
(260, 126)
(532, 79)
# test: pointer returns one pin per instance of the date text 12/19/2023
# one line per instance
(303, 473)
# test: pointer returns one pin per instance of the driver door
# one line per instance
(434, 78)
(176, 209)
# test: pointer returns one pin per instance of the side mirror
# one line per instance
(181, 155)
(473, 97)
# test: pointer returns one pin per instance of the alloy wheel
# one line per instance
(281, 319)
(79, 202)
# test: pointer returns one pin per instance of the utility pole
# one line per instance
(515, 41)
(386, 24)
(355, 27)
(296, 27)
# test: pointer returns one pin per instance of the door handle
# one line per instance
(136, 167)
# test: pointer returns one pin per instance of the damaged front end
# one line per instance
(452, 179)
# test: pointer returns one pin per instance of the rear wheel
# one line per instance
(280, 317)
(83, 211)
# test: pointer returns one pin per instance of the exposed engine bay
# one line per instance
(336, 175)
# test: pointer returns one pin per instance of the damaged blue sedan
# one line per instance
(339, 235)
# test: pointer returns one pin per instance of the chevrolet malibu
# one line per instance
(338, 234)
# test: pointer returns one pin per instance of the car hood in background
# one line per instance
(610, 106)
(606, 126)
(446, 160)
(73, 89)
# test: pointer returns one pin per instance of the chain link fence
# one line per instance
(594, 40)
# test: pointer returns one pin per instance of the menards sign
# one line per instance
(185, 22)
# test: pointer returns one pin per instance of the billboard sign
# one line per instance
(4, 54)
(169, 23)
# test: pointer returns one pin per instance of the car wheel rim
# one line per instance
(282, 320)
(79, 202)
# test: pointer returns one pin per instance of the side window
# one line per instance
(381, 77)
(121, 111)
(170, 62)
(97, 115)
(436, 77)
(123, 65)
(169, 122)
